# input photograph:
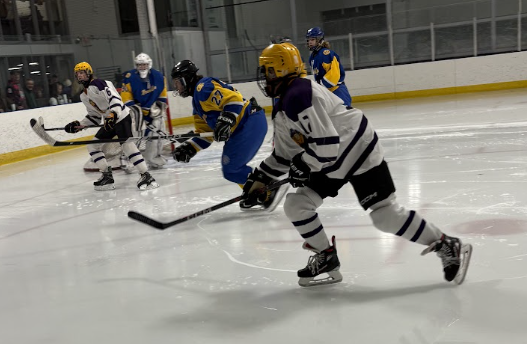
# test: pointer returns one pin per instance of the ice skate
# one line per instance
(156, 162)
(273, 198)
(454, 255)
(147, 182)
(322, 262)
(105, 182)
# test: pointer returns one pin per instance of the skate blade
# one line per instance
(466, 253)
(104, 187)
(151, 186)
(334, 277)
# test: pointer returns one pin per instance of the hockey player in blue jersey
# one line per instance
(324, 146)
(325, 65)
(146, 88)
(220, 108)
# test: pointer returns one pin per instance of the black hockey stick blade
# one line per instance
(162, 226)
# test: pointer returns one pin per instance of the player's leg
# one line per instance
(301, 209)
(123, 129)
(106, 181)
(343, 93)
(376, 191)
(242, 146)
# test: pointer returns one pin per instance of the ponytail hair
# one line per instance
(325, 44)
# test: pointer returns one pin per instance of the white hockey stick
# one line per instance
(38, 128)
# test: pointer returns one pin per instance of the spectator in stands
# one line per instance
(66, 90)
(57, 98)
(15, 95)
(30, 94)
(52, 81)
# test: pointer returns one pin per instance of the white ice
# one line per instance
(75, 269)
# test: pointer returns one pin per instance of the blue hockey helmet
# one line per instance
(317, 33)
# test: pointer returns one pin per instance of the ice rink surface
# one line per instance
(75, 269)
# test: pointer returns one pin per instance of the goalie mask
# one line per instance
(83, 73)
(278, 65)
(143, 64)
(184, 78)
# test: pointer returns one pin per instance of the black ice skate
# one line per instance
(105, 182)
(147, 182)
(454, 255)
(322, 262)
(271, 201)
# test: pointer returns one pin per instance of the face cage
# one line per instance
(261, 80)
(143, 73)
(185, 92)
(320, 40)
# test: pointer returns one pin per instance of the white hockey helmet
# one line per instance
(143, 59)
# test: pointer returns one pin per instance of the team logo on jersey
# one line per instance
(151, 89)
(128, 75)
(315, 71)
(298, 137)
(326, 52)
(200, 86)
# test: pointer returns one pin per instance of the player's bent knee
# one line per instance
(388, 217)
(303, 201)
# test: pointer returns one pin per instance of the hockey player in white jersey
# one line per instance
(103, 102)
(324, 146)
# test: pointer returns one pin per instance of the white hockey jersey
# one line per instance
(101, 98)
(336, 141)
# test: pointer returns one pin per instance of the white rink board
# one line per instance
(413, 77)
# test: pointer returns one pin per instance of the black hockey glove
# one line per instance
(71, 127)
(184, 152)
(255, 181)
(109, 122)
(224, 124)
(298, 172)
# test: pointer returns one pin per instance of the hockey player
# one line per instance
(146, 87)
(324, 146)
(220, 108)
(103, 102)
(325, 65)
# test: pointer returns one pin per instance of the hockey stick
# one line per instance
(91, 126)
(39, 130)
(162, 226)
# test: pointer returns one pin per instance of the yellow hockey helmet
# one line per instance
(83, 66)
(277, 63)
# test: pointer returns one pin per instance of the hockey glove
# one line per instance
(109, 122)
(298, 172)
(224, 124)
(72, 127)
(184, 152)
(255, 181)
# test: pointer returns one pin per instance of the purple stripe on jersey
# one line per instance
(114, 97)
(319, 158)
(297, 98)
(138, 162)
(280, 160)
(363, 156)
(114, 105)
(264, 167)
(338, 163)
(101, 84)
(95, 152)
(322, 141)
